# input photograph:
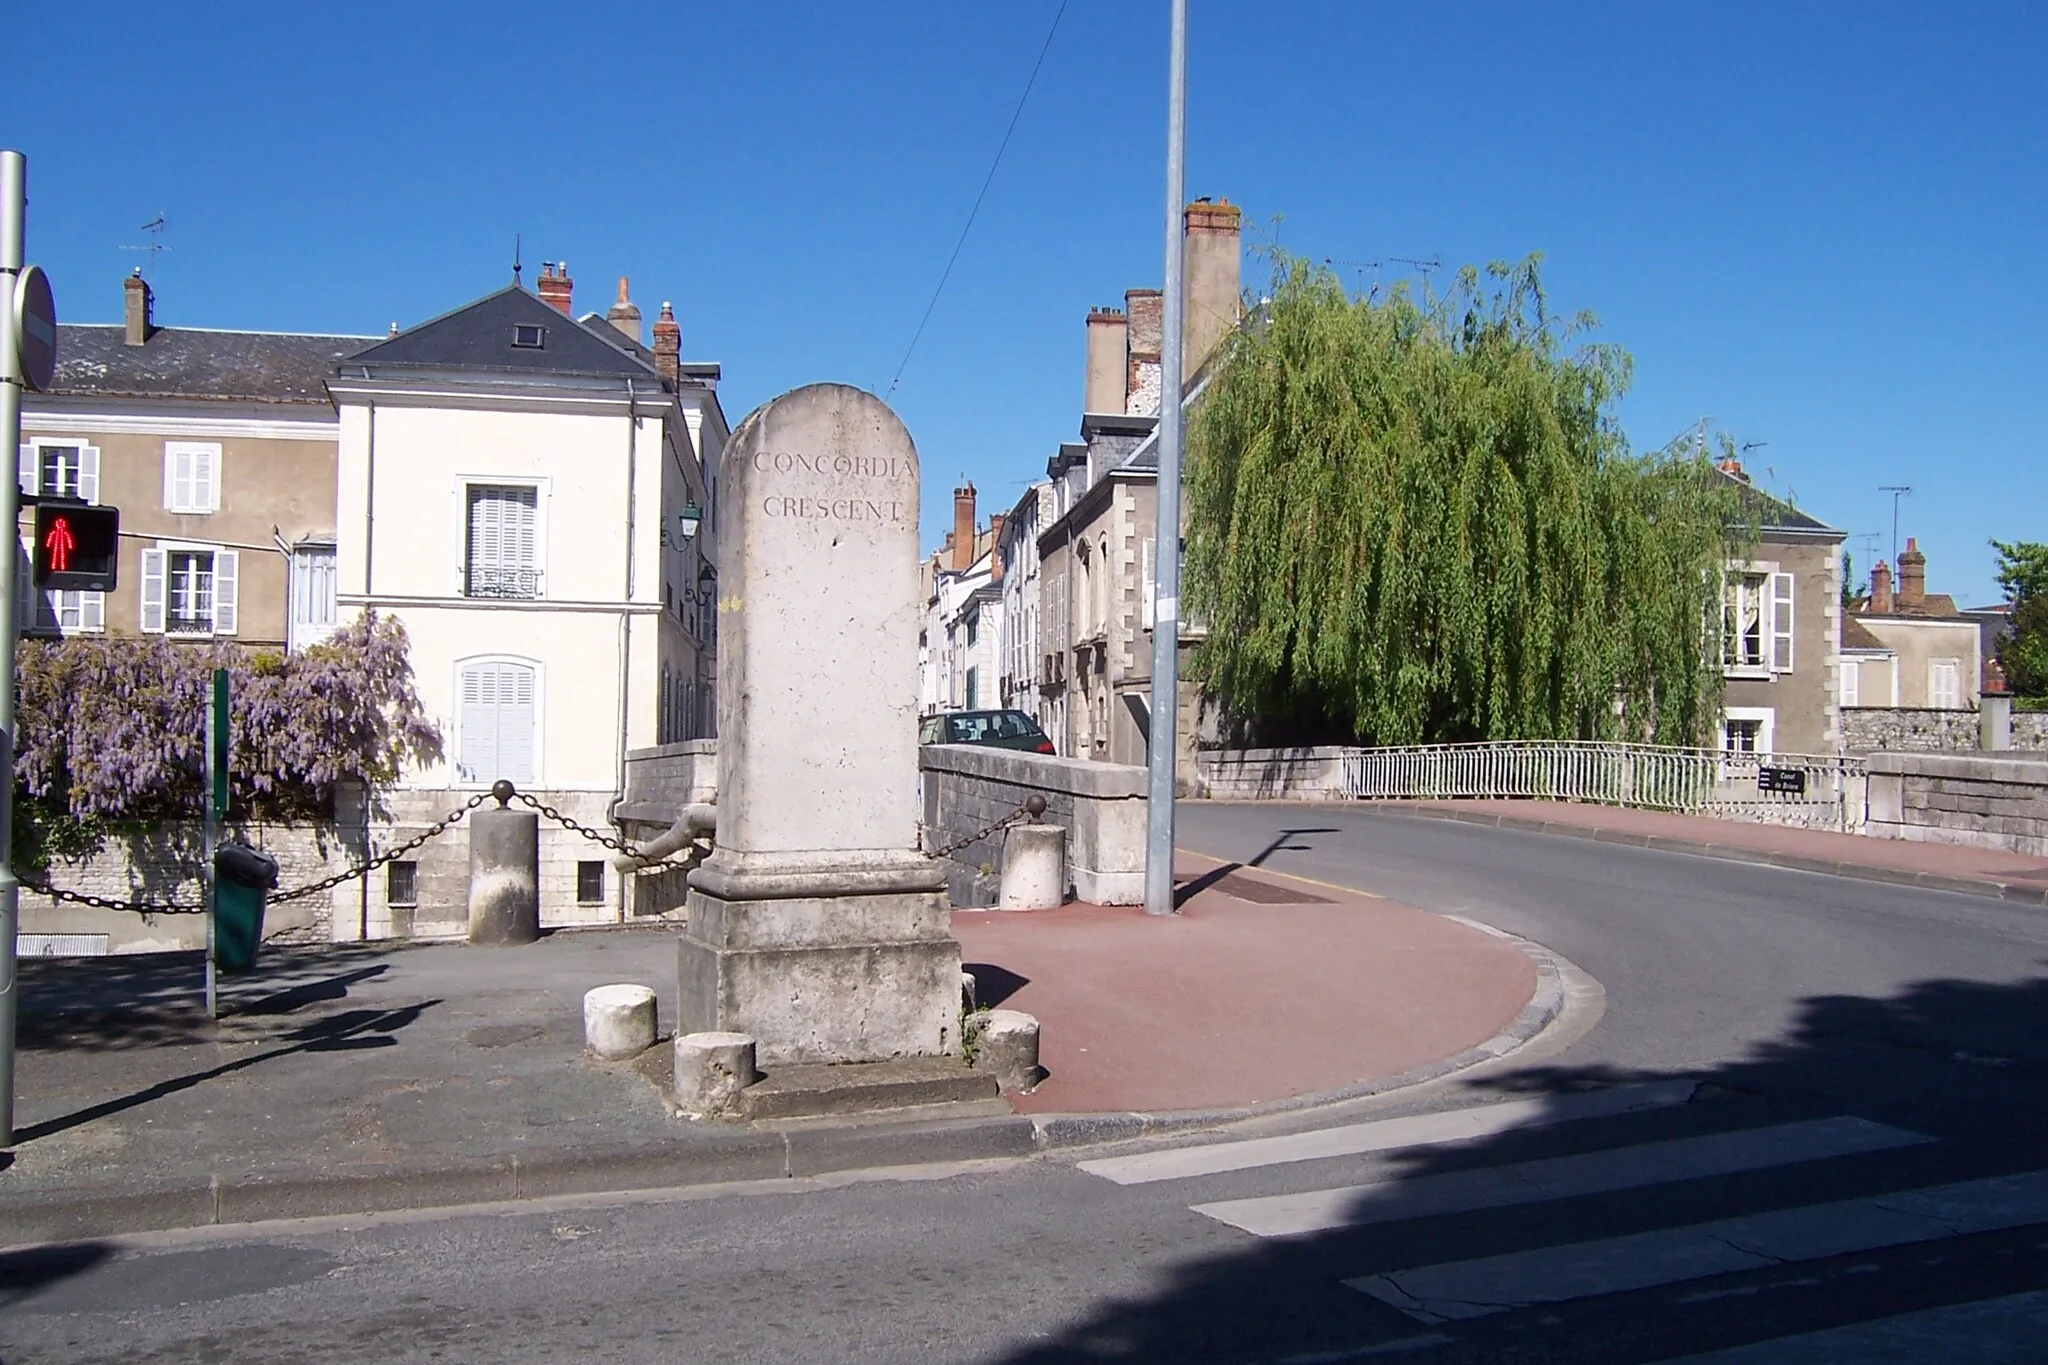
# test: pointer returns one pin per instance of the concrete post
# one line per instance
(504, 876)
(1009, 1049)
(618, 1021)
(1034, 868)
(1994, 721)
(711, 1070)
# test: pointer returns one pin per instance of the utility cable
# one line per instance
(968, 227)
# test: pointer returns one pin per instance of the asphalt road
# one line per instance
(1805, 1129)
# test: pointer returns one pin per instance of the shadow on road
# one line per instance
(1965, 1062)
(26, 1273)
(1187, 888)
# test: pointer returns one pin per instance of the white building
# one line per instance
(1021, 652)
(960, 654)
(532, 496)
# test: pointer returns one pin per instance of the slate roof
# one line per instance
(192, 363)
(1856, 635)
(1775, 514)
(478, 336)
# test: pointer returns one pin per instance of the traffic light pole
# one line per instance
(13, 198)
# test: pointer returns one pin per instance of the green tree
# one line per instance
(2023, 573)
(1416, 520)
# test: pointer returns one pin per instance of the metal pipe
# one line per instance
(13, 199)
(611, 811)
(1166, 511)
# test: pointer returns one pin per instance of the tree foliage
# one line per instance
(2023, 654)
(114, 728)
(1415, 519)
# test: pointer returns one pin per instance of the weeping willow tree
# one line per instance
(1415, 520)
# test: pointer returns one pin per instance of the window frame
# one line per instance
(455, 728)
(542, 487)
(29, 466)
(1767, 724)
(196, 507)
(163, 550)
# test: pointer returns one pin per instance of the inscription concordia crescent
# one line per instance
(824, 476)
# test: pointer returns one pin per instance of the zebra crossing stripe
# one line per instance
(1995, 1331)
(1533, 1182)
(1382, 1135)
(1498, 1284)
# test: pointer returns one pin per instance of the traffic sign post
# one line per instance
(28, 356)
(216, 811)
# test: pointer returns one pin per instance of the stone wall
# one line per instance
(1912, 729)
(674, 775)
(1982, 800)
(1313, 774)
(160, 863)
(1100, 805)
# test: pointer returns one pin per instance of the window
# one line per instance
(60, 469)
(65, 613)
(190, 590)
(501, 559)
(1944, 684)
(1851, 678)
(497, 722)
(312, 593)
(402, 883)
(973, 630)
(1756, 623)
(1747, 730)
(590, 882)
(529, 336)
(973, 688)
(191, 476)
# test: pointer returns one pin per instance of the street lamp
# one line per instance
(693, 517)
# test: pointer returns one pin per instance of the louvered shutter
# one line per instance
(92, 611)
(152, 620)
(177, 478)
(515, 722)
(30, 470)
(479, 722)
(206, 478)
(1781, 623)
(226, 591)
(1148, 581)
(89, 473)
(497, 723)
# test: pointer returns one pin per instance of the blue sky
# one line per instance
(1820, 225)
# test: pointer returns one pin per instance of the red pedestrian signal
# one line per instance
(77, 548)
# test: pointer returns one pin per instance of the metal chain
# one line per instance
(439, 827)
(1032, 808)
(597, 836)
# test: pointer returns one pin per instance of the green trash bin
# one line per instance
(243, 879)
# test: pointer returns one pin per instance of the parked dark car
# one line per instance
(1003, 729)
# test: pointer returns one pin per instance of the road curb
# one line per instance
(710, 1155)
(1985, 887)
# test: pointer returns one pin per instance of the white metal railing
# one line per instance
(1810, 790)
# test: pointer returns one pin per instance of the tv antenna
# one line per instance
(515, 258)
(1360, 267)
(1423, 267)
(155, 228)
(1897, 490)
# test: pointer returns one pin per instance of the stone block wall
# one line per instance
(1100, 805)
(1313, 774)
(673, 774)
(1918, 730)
(1981, 800)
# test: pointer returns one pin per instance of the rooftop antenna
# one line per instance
(155, 228)
(1897, 490)
(515, 258)
(1361, 267)
(1433, 263)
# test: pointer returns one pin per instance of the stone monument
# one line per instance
(817, 927)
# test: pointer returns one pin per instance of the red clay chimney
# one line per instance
(555, 286)
(995, 547)
(963, 528)
(1881, 589)
(1912, 578)
(668, 344)
(138, 309)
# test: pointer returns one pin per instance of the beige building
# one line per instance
(1781, 634)
(1098, 546)
(219, 449)
(1909, 648)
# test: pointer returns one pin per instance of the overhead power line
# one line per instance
(987, 180)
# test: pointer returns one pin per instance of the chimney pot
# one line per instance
(1912, 577)
(668, 344)
(625, 314)
(138, 309)
(555, 287)
(1881, 589)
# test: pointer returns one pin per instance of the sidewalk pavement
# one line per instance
(1941, 867)
(356, 1078)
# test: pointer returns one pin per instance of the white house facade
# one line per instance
(528, 494)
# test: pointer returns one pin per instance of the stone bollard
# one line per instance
(1009, 1049)
(504, 872)
(618, 1021)
(968, 986)
(1034, 868)
(1994, 721)
(711, 1070)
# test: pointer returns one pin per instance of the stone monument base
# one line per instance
(853, 963)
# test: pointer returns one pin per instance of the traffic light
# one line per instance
(78, 547)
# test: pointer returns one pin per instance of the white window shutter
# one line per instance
(1781, 623)
(479, 720)
(206, 478)
(1148, 579)
(31, 470)
(1850, 693)
(177, 478)
(226, 591)
(92, 611)
(152, 621)
(89, 473)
